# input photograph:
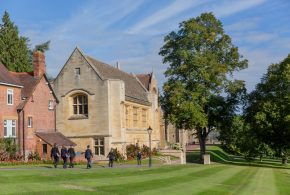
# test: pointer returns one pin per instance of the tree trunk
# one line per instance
(202, 148)
(202, 134)
(284, 160)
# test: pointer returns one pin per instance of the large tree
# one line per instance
(14, 52)
(201, 60)
(268, 111)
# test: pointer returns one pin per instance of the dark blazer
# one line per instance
(54, 152)
(71, 152)
(63, 152)
(88, 153)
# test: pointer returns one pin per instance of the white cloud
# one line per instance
(243, 25)
(171, 10)
(259, 60)
(228, 8)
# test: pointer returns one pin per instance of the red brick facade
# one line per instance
(43, 118)
(32, 94)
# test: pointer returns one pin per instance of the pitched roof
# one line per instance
(134, 90)
(145, 79)
(55, 137)
(25, 80)
(28, 81)
(7, 77)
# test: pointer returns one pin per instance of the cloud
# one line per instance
(259, 60)
(243, 25)
(228, 8)
(171, 10)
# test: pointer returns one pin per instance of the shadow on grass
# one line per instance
(219, 156)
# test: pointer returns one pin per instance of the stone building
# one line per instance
(27, 113)
(104, 107)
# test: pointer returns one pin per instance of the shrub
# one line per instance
(33, 156)
(9, 150)
(132, 150)
(118, 155)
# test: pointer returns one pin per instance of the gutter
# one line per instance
(23, 135)
(12, 85)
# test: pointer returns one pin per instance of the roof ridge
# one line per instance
(111, 66)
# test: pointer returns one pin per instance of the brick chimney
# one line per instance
(38, 63)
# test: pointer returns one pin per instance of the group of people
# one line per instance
(70, 154)
(65, 154)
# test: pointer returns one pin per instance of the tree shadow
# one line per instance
(219, 156)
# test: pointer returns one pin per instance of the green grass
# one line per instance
(224, 176)
(217, 155)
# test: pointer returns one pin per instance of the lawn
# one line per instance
(218, 178)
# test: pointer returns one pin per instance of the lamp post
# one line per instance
(149, 130)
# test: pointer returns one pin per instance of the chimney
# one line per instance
(118, 65)
(38, 63)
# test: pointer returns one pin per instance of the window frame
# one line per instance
(77, 72)
(135, 117)
(50, 105)
(9, 132)
(44, 146)
(144, 117)
(30, 122)
(80, 105)
(99, 145)
(10, 93)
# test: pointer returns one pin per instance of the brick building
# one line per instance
(27, 112)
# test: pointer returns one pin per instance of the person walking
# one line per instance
(72, 154)
(54, 153)
(89, 156)
(64, 156)
(139, 157)
(111, 157)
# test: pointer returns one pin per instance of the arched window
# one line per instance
(80, 105)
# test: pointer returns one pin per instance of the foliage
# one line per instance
(118, 155)
(201, 60)
(43, 47)
(9, 150)
(33, 156)
(132, 150)
(268, 109)
(14, 52)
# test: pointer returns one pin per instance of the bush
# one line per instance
(9, 150)
(118, 156)
(33, 156)
(132, 150)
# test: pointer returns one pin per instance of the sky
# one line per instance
(132, 31)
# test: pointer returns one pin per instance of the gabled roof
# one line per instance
(30, 82)
(55, 137)
(7, 78)
(134, 91)
(145, 79)
(25, 80)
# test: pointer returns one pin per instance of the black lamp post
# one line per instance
(149, 133)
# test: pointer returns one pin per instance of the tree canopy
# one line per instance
(14, 52)
(202, 60)
(268, 110)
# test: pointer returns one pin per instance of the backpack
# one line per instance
(88, 153)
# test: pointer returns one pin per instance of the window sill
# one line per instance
(78, 117)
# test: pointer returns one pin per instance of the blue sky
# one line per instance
(132, 31)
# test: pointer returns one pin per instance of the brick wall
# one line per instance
(8, 111)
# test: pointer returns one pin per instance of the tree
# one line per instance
(43, 47)
(201, 60)
(268, 110)
(14, 52)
